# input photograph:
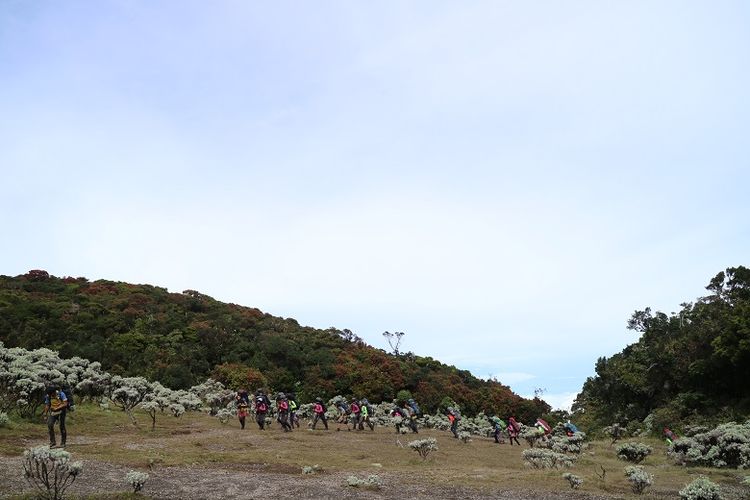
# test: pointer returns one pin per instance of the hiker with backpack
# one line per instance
(262, 405)
(343, 409)
(319, 413)
(55, 409)
(356, 413)
(400, 418)
(366, 411)
(454, 415)
(669, 436)
(498, 426)
(514, 429)
(282, 412)
(410, 417)
(293, 418)
(242, 401)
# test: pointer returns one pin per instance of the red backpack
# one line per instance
(318, 408)
(283, 405)
(355, 408)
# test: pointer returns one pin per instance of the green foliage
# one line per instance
(633, 452)
(638, 478)
(701, 488)
(728, 445)
(180, 339)
(695, 361)
(4, 419)
(403, 396)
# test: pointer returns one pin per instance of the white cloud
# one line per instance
(510, 378)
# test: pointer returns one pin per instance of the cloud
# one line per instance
(510, 378)
(559, 400)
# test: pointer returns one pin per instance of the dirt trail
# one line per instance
(249, 481)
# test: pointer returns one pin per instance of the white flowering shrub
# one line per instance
(531, 434)
(615, 432)
(540, 458)
(701, 488)
(633, 452)
(638, 478)
(4, 419)
(307, 469)
(213, 394)
(372, 482)
(728, 445)
(50, 471)
(128, 392)
(224, 415)
(568, 444)
(136, 480)
(464, 437)
(574, 481)
(424, 447)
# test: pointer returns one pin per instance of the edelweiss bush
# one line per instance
(4, 419)
(464, 437)
(567, 444)
(50, 471)
(728, 445)
(639, 479)
(372, 482)
(701, 489)
(540, 458)
(424, 447)
(136, 480)
(633, 452)
(574, 481)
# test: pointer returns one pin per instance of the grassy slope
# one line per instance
(199, 439)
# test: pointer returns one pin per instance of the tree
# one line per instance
(394, 340)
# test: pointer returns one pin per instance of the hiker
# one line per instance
(366, 411)
(514, 428)
(670, 436)
(282, 410)
(415, 408)
(342, 407)
(356, 413)
(55, 409)
(262, 404)
(293, 418)
(543, 428)
(498, 426)
(455, 417)
(570, 429)
(411, 417)
(242, 401)
(319, 410)
(399, 417)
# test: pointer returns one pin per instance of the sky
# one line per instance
(504, 182)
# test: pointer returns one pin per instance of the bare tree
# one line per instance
(394, 340)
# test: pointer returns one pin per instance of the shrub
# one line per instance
(50, 471)
(540, 458)
(310, 470)
(615, 432)
(424, 447)
(464, 437)
(136, 480)
(567, 444)
(372, 482)
(4, 419)
(633, 452)
(728, 445)
(531, 434)
(574, 481)
(639, 479)
(701, 489)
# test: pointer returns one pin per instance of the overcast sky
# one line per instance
(506, 182)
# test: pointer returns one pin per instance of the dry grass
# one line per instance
(197, 439)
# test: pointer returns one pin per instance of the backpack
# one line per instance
(414, 406)
(369, 409)
(69, 394)
(345, 407)
(355, 408)
(319, 408)
(260, 404)
(283, 405)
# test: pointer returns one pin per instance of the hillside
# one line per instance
(181, 338)
(691, 366)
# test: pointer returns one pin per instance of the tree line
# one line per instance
(180, 339)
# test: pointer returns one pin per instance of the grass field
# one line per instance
(200, 441)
